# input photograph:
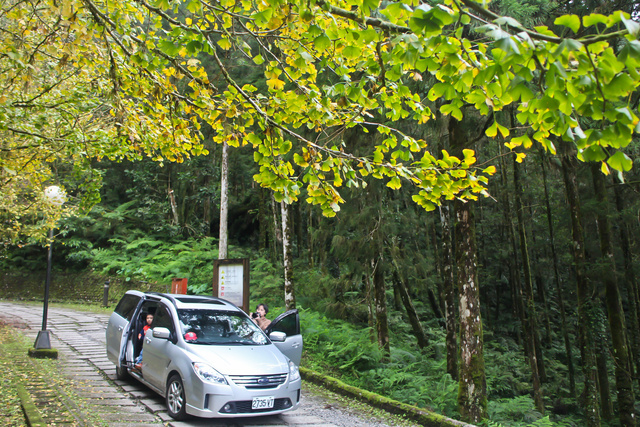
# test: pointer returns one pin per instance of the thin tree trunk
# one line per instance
(530, 324)
(414, 320)
(370, 309)
(514, 275)
(449, 291)
(224, 203)
(277, 229)
(615, 311)
(556, 273)
(287, 256)
(380, 302)
(586, 310)
(263, 218)
(630, 279)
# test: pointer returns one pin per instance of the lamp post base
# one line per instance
(42, 347)
(42, 341)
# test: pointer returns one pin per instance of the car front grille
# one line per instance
(259, 381)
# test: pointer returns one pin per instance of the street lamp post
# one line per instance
(54, 195)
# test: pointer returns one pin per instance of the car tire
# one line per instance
(121, 373)
(175, 398)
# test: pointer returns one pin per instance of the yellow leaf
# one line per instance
(275, 83)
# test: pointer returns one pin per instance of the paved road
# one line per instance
(80, 340)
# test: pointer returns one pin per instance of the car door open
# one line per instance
(289, 323)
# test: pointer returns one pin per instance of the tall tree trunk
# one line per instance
(515, 287)
(615, 311)
(380, 303)
(586, 310)
(414, 320)
(556, 274)
(530, 324)
(449, 291)
(472, 388)
(277, 228)
(630, 279)
(263, 219)
(287, 256)
(224, 203)
(602, 351)
(472, 380)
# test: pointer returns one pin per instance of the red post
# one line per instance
(179, 285)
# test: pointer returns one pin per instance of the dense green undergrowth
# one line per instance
(338, 340)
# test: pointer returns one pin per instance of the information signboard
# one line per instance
(231, 281)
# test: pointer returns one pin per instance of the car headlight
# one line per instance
(207, 373)
(294, 372)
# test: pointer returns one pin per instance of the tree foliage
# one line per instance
(126, 79)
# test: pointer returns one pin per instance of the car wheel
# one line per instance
(176, 403)
(122, 373)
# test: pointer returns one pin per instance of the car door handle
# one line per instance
(119, 328)
(147, 340)
(295, 345)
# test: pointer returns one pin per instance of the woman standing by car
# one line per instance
(259, 316)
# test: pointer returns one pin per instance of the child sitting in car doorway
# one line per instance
(147, 326)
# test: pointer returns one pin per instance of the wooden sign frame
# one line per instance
(231, 281)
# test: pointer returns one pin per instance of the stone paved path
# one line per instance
(80, 340)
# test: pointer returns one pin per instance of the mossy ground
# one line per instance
(51, 392)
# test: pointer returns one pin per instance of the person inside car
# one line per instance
(145, 328)
(259, 316)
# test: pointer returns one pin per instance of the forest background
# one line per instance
(514, 308)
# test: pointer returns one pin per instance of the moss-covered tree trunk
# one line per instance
(529, 315)
(380, 304)
(556, 276)
(287, 256)
(585, 294)
(449, 291)
(224, 203)
(615, 311)
(472, 383)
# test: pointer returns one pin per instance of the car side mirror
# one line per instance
(277, 336)
(162, 333)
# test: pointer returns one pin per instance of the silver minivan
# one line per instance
(205, 355)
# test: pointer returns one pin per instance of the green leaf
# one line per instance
(322, 42)
(620, 162)
(569, 45)
(570, 21)
(447, 109)
(351, 52)
(169, 48)
(594, 19)
(394, 183)
(369, 5)
(507, 20)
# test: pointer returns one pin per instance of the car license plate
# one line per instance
(262, 402)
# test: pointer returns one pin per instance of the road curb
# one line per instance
(31, 413)
(414, 413)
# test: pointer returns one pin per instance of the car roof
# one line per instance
(194, 301)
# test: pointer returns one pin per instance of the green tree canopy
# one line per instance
(92, 79)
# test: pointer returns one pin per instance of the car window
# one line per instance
(162, 318)
(288, 323)
(127, 306)
(215, 327)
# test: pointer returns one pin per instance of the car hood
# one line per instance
(242, 360)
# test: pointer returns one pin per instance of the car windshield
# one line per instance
(214, 327)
